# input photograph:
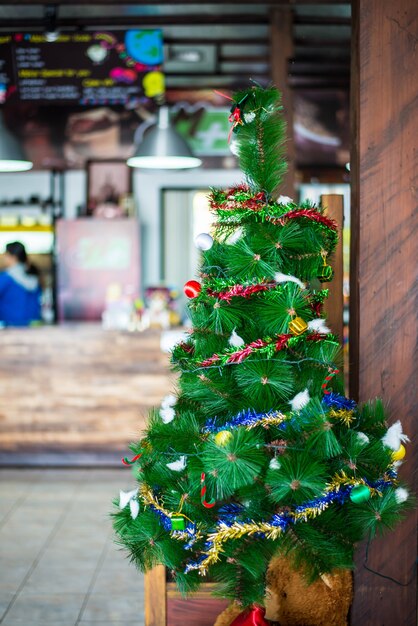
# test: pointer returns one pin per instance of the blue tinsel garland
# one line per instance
(338, 401)
(245, 418)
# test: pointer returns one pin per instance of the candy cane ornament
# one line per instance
(126, 461)
(211, 503)
(331, 374)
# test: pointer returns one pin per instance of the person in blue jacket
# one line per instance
(20, 289)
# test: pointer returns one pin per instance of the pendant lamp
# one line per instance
(162, 148)
(12, 158)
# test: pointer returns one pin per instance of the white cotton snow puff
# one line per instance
(235, 340)
(319, 326)
(167, 415)
(235, 236)
(129, 497)
(300, 400)
(125, 497)
(284, 200)
(287, 278)
(234, 146)
(249, 117)
(362, 438)
(178, 466)
(401, 495)
(134, 506)
(394, 436)
(168, 401)
(274, 464)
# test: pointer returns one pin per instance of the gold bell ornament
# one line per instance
(298, 326)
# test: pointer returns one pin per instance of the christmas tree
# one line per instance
(260, 453)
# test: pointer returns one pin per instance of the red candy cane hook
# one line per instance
(207, 505)
(331, 374)
(126, 461)
(222, 94)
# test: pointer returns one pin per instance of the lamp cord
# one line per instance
(372, 571)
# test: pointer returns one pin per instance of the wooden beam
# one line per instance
(354, 322)
(273, 3)
(281, 50)
(319, 82)
(334, 305)
(315, 68)
(323, 42)
(208, 81)
(384, 236)
(322, 20)
(190, 19)
(155, 597)
(256, 58)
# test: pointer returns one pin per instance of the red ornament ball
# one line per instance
(192, 288)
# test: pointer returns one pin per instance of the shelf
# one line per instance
(26, 229)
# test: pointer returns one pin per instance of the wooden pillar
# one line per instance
(383, 311)
(281, 50)
(334, 305)
(155, 597)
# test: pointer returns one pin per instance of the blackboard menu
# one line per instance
(87, 68)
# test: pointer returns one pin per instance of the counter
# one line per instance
(76, 393)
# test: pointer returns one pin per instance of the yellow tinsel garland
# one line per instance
(344, 415)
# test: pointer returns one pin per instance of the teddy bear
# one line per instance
(291, 601)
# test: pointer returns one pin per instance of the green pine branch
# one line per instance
(261, 139)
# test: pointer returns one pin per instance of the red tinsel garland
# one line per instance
(311, 214)
(208, 362)
(240, 290)
(239, 356)
(186, 347)
(282, 341)
(316, 308)
(258, 202)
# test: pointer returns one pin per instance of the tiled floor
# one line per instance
(58, 562)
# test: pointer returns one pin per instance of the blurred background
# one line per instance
(113, 128)
(80, 88)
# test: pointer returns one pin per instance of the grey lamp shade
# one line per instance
(12, 158)
(163, 148)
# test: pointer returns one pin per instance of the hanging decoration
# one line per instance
(203, 489)
(298, 326)
(192, 289)
(204, 241)
(127, 461)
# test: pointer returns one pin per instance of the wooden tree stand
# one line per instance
(164, 605)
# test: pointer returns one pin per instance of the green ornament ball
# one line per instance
(325, 273)
(360, 494)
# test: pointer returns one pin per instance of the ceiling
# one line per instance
(216, 45)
